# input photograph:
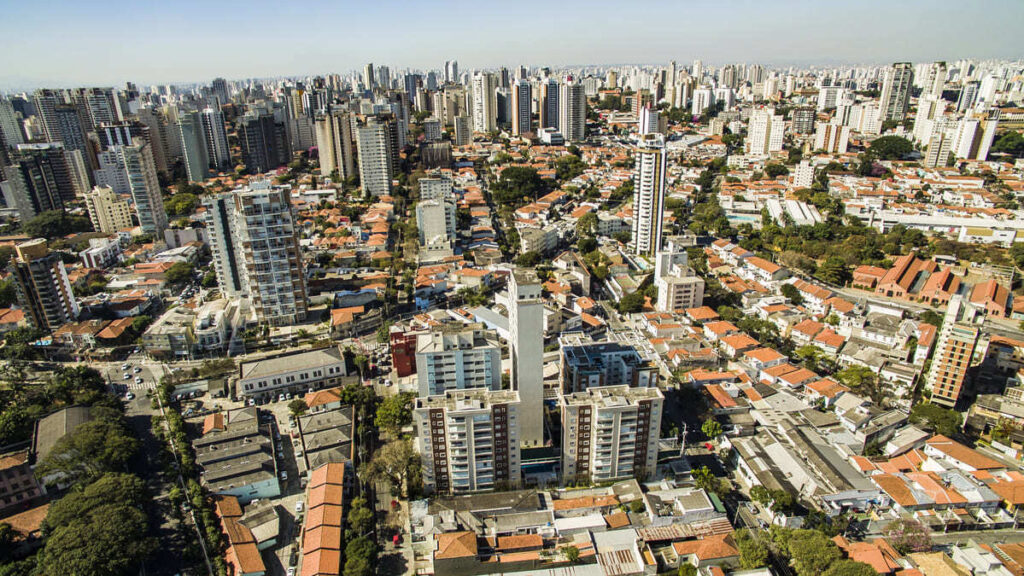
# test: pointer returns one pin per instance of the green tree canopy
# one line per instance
(529, 259)
(92, 449)
(631, 303)
(516, 184)
(55, 224)
(1011, 143)
(395, 412)
(753, 552)
(934, 417)
(835, 271)
(711, 428)
(811, 552)
(891, 148)
(181, 204)
(178, 272)
(850, 568)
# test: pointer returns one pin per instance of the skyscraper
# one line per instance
(484, 106)
(256, 251)
(216, 137)
(954, 352)
(457, 357)
(145, 188)
(369, 82)
(649, 193)
(263, 142)
(463, 130)
(547, 105)
(43, 287)
(526, 326)
(219, 89)
(935, 81)
(896, 85)
(451, 71)
(108, 212)
(572, 112)
(193, 146)
(375, 165)
(10, 124)
(522, 99)
(334, 144)
(41, 178)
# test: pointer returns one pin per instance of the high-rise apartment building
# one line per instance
(974, 134)
(457, 358)
(526, 330)
(897, 82)
(522, 102)
(804, 118)
(44, 290)
(256, 251)
(108, 212)
(766, 132)
(11, 132)
(145, 188)
(587, 364)
(451, 71)
(193, 146)
(469, 440)
(547, 104)
(610, 433)
(41, 179)
(831, 137)
(375, 157)
(484, 105)
(648, 193)
(463, 131)
(703, 98)
(216, 139)
(369, 81)
(263, 141)
(572, 111)
(934, 81)
(679, 287)
(954, 353)
(334, 144)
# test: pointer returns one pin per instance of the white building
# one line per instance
(291, 373)
(456, 358)
(765, 133)
(108, 212)
(572, 111)
(334, 144)
(649, 193)
(375, 163)
(484, 104)
(526, 328)
(101, 253)
(435, 220)
(703, 98)
(145, 188)
(610, 433)
(831, 137)
(803, 175)
(896, 84)
(469, 440)
(974, 135)
(679, 287)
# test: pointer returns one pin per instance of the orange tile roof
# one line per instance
(961, 453)
(455, 545)
(711, 548)
(586, 502)
(702, 313)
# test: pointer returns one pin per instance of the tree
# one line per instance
(569, 167)
(181, 204)
(835, 271)
(7, 537)
(753, 552)
(931, 317)
(942, 420)
(209, 279)
(1011, 143)
(572, 554)
(56, 224)
(360, 557)
(811, 552)
(297, 407)
(140, 323)
(775, 170)
(850, 568)
(99, 530)
(705, 479)
(792, 293)
(89, 451)
(687, 569)
(632, 303)
(711, 428)
(517, 183)
(586, 244)
(178, 272)
(760, 494)
(395, 413)
(360, 517)
(587, 225)
(529, 259)
(395, 462)
(8, 293)
(361, 363)
(908, 535)
(891, 148)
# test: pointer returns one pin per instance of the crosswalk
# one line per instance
(144, 385)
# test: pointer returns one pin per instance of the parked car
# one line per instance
(252, 401)
(129, 396)
(137, 369)
(138, 380)
(127, 376)
(126, 366)
(284, 475)
(299, 505)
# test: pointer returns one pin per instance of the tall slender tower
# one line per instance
(548, 104)
(572, 114)
(484, 106)
(521, 107)
(145, 188)
(526, 326)
(649, 193)
(43, 287)
(216, 139)
(896, 84)
(334, 143)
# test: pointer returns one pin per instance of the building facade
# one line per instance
(456, 358)
(649, 193)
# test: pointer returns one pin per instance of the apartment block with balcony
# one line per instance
(468, 440)
(586, 364)
(458, 357)
(610, 433)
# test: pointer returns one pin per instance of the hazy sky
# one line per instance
(103, 42)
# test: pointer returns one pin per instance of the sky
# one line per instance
(105, 43)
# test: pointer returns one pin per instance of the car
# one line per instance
(127, 376)
(252, 401)
(280, 397)
(137, 369)
(299, 505)
(126, 366)
(137, 350)
(129, 396)
(284, 475)
(291, 571)
(138, 380)
(288, 396)
(280, 447)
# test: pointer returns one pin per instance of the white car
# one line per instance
(129, 396)
(284, 475)
(280, 397)
(291, 571)
(138, 380)
(126, 366)
(127, 376)
(137, 369)
(252, 401)
(299, 505)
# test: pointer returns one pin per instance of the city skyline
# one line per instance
(194, 42)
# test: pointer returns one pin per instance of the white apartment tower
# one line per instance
(572, 111)
(526, 329)
(484, 102)
(375, 166)
(456, 358)
(766, 132)
(145, 188)
(522, 100)
(610, 433)
(896, 84)
(469, 440)
(216, 139)
(334, 144)
(649, 193)
(256, 251)
(831, 137)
